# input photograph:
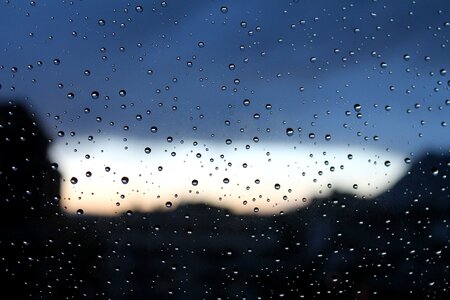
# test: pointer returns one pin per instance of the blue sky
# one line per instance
(279, 39)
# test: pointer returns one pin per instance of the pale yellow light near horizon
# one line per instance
(267, 178)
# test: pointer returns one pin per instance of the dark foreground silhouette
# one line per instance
(393, 247)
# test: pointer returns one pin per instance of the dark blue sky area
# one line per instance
(186, 67)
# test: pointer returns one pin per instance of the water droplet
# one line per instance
(101, 22)
(80, 212)
(406, 57)
(56, 61)
(122, 93)
(139, 9)
(74, 180)
(195, 182)
(94, 95)
(383, 65)
(387, 163)
(147, 150)
(154, 129)
(357, 107)
(168, 204)
(226, 180)
(70, 95)
(277, 186)
(246, 102)
(224, 9)
(125, 180)
(289, 131)
(355, 186)
(434, 171)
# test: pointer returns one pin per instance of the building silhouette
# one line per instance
(339, 247)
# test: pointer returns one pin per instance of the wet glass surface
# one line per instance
(224, 149)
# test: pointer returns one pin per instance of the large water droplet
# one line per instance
(289, 131)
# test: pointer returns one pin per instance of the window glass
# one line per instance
(224, 149)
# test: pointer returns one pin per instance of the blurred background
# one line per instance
(224, 149)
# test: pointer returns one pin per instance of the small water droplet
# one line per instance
(139, 9)
(94, 95)
(289, 131)
(434, 171)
